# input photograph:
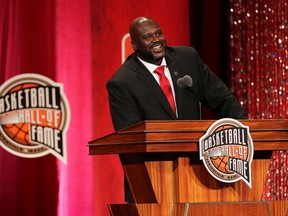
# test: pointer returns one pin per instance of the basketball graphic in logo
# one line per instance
(34, 115)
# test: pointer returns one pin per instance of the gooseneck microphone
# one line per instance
(187, 82)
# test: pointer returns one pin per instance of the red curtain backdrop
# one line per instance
(50, 38)
(259, 63)
(27, 186)
(73, 69)
(110, 22)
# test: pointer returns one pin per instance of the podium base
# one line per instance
(263, 208)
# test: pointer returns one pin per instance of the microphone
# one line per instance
(187, 82)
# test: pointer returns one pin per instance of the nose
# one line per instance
(155, 37)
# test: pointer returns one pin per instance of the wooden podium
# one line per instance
(166, 177)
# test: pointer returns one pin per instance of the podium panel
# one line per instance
(180, 178)
(163, 170)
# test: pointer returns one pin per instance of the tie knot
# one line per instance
(160, 70)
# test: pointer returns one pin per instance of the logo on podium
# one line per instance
(227, 151)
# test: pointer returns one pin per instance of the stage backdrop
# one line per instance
(51, 38)
(27, 45)
(259, 65)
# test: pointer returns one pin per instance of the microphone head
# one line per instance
(180, 83)
(187, 81)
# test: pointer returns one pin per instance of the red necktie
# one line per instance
(165, 86)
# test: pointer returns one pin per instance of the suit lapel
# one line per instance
(147, 78)
(175, 71)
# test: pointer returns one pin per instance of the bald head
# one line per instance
(137, 23)
(147, 39)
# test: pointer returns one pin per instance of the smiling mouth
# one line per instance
(157, 48)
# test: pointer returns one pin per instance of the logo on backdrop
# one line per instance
(34, 116)
(227, 151)
(126, 47)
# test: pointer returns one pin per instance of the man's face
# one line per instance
(149, 42)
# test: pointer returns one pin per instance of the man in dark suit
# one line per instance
(134, 91)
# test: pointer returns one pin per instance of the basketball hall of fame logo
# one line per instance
(34, 116)
(227, 151)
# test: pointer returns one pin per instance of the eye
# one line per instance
(147, 37)
(159, 33)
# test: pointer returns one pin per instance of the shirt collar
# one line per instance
(152, 67)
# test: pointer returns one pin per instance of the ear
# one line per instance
(134, 46)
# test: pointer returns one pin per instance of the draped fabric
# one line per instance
(28, 186)
(51, 38)
(259, 65)
(73, 69)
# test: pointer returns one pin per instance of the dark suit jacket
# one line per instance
(135, 96)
